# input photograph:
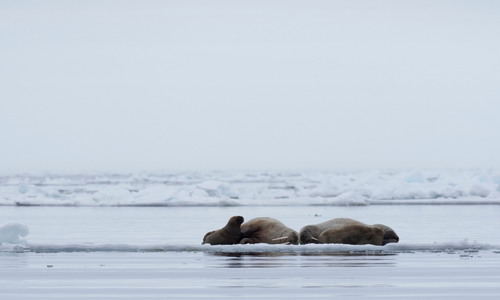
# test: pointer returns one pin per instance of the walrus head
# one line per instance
(293, 238)
(390, 235)
(229, 234)
(309, 234)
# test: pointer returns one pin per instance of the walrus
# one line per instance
(229, 234)
(267, 230)
(352, 234)
(310, 233)
(390, 235)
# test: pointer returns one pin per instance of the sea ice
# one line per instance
(112, 194)
(414, 176)
(216, 188)
(495, 194)
(250, 188)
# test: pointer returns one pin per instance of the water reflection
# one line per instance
(301, 260)
(13, 260)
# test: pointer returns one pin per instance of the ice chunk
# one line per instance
(483, 178)
(349, 198)
(157, 194)
(253, 191)
(4, 201)
(113, 194)
(199, 193)
(10, 232)
(495, 179)
(217, 188)
(414, 176)
(479, 190)
(31, 190)
(495, 194)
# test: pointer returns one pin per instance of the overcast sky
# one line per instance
(120, 85)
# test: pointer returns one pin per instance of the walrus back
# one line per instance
(267, 230)
(310, 233)
(353, 235)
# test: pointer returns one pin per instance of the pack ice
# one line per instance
(252, 188)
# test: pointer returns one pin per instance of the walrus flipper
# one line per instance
(205, 237)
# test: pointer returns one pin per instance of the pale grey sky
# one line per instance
(118, 85)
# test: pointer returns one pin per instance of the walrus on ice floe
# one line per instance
(311, 233)
(267, 230)
(229, 234)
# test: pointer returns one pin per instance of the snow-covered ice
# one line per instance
(252, 188)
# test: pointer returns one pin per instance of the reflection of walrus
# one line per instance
(352, 234)
(311, 233)
(229, 234)
(267, 230)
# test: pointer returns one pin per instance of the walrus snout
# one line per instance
(387, 241)
(293, 238)
(390, 235)
(306, 235)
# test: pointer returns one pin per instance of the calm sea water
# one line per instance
(184, 275)
(188, 225)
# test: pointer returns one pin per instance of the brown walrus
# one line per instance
(229, 234)
(267, 230)
(310, 233)
(352, 234)
(390, 235)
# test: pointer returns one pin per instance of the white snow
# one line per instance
(414, 176)
(495, 194)
(253, 188)
(113, 194)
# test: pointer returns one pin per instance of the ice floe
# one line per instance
(259, 248)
